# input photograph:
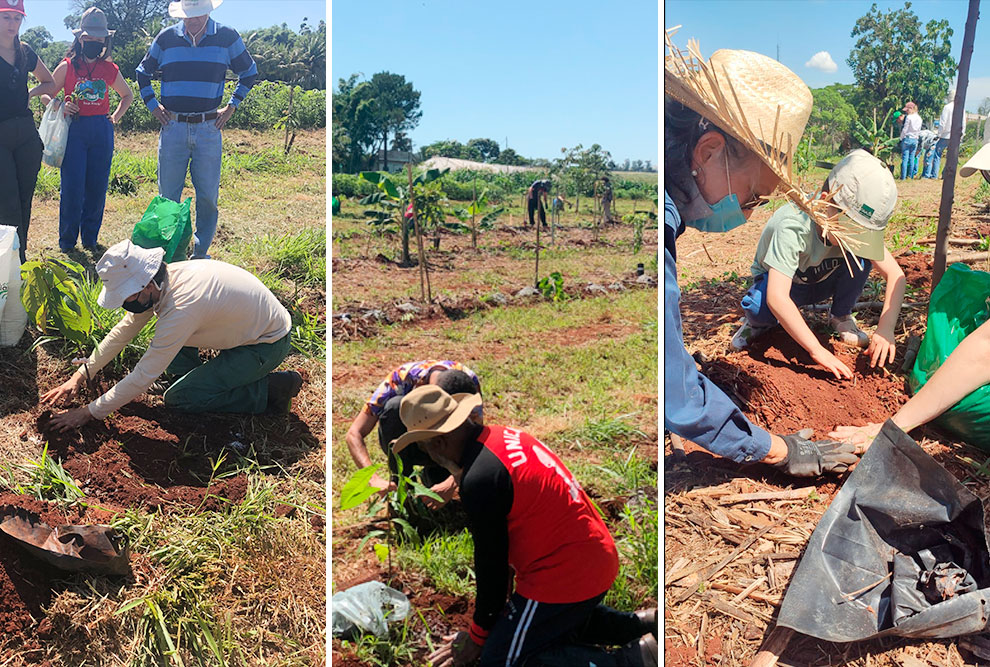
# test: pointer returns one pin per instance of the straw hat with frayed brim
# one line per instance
(761, 103)
(188, 9)
(978, 163)
(428, 411)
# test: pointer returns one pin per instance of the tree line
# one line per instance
(282, 54)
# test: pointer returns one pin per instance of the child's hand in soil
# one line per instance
(882, 349)
(861, 436)
(831, 363)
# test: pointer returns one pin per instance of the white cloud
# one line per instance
(822, 61)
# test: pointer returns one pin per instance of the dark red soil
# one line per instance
(779, 386)
(917, 269)
(148, 458)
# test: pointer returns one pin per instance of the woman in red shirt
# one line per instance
(87, 75)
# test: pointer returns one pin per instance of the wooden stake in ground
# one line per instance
(538, 223)
(474, 212)
(773, 648)
(952, 157)
(424, 271)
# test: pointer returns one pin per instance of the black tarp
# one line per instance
(902, 550)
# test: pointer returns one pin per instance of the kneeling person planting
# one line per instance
(199, 304)
(798, 263)
(527, 512)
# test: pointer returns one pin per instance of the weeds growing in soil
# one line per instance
(637, 538)
(299, 257)
(604, 431)
(46, 480)
(446, 559)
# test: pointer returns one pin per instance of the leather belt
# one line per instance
(196, 117)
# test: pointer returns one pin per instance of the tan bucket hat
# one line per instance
(428, 411)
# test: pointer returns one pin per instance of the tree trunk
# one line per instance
(955, 136)
(288, 120)
(385, 151)
(406, 261)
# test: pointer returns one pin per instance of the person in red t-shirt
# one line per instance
(87, 75)
(528, 513)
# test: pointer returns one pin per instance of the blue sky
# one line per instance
(802, 28)
(544, 75)
(239, 14)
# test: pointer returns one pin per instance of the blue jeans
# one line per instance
(85, 174)
(198, 148)
(909, 148)
(935, 159)
(837, 285)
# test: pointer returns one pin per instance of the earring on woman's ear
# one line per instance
(694, 172)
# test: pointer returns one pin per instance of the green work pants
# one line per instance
(236, 380)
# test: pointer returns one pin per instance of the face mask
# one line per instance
(92, 49)
(137, 306)
(726, 213)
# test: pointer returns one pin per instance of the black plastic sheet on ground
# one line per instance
(902, 550)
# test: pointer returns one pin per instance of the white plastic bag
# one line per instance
(13, 317)
(369, 607)
(54, 132)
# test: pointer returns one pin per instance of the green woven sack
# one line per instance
(959, 305)
(165, 224)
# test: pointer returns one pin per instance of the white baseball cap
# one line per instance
(865, 191)
(125, 270)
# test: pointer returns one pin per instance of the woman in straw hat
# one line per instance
(20, 145)
(87, 75)
(731, 125)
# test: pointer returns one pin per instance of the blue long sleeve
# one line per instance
(694, 408)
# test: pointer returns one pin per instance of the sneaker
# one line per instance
(746, 334)
(160, 386)
(283, 386)
(847, 331)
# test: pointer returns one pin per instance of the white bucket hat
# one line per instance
(125, 270)
(187, 9)
(978, 163)
(863, 187)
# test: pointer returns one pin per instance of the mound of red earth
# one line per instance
(150, 458)
(917, 269)
(779, 386)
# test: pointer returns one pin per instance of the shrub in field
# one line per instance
(53, 300)
(351, 185)
(392, 199)
(552, 287)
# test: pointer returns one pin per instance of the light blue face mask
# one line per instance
(726, 213)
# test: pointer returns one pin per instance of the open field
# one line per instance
(727, 616)
(225, 514)
(579, 373)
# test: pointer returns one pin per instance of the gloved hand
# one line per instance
(810, 459)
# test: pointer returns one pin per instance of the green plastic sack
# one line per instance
(958, 306)
(165, 224)
(335, 206)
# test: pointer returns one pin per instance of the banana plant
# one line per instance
(479, 207)
(392, 199)
(875, 138)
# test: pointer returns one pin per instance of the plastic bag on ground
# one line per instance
(54, 132)
(958, 306)
(902, 550)
(367, 607)
(165, 224)
(13, 317)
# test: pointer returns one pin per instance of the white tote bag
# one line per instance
(13, 317)
(54, 132)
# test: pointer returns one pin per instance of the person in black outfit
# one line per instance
(20, 145)
(536, 196)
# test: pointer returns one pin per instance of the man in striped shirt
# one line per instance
(193, 57)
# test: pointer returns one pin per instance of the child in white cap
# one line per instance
(796, 265)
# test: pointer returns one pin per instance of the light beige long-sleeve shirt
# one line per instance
(205, 304)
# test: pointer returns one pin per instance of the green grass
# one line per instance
(300, 257)
(46, 480)
(446, 559)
